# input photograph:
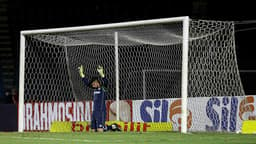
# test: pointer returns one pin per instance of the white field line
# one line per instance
(57, 139)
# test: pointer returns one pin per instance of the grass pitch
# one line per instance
(125, 138)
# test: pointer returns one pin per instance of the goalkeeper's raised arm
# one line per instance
(104, 81)
(82, 75)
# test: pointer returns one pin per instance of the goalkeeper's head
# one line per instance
(95, 83)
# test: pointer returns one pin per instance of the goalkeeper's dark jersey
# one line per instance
(99, 95)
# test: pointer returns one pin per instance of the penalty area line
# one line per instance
(57, 139)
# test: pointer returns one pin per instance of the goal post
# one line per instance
(172, 59)
(21, 84)
(117, 75)
(184, 75)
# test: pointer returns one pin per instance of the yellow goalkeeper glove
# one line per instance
(101, 71)
(81, 71)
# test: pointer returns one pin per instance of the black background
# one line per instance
(36, 14)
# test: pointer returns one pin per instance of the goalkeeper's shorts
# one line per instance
(98, 119)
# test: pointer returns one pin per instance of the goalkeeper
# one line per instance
(99, 97)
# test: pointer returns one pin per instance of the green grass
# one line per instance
(126, 138)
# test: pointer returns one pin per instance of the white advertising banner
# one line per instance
(39, 116)
(204, 113)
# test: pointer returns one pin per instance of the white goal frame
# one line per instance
(185, 46)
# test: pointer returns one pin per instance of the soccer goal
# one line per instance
(162, 70)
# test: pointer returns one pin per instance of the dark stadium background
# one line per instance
(37, 14)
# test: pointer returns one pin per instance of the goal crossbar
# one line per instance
(104, 26)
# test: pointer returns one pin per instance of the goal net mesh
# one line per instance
(150, 62)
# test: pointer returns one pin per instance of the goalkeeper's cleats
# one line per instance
(81, 71)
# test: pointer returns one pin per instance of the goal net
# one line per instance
(150, 66)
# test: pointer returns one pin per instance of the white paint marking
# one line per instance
(56, 139)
